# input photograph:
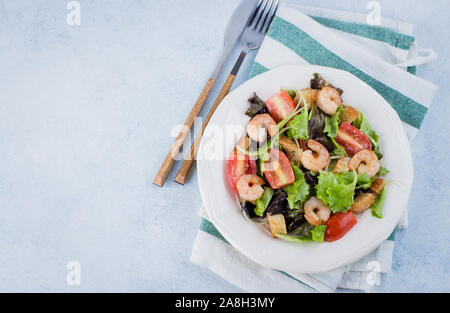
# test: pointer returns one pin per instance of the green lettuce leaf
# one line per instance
(347, 177)
(332, 124)
(291, 92)
(318, 233)
(338, 150)
(263, 152)
(298, 127)
(377, 208)
(364, 181)
(263, 202)
(383, 171)
(363, 125)
(299, 191)
(294, 239)
(337, 190)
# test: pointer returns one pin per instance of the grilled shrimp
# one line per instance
(250, 187)
(317, 158)
(328, 100)
(365, 161)
(316, 212)
(260, 125)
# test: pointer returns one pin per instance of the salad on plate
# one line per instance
(308, 165)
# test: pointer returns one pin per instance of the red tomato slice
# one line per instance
(238, 165)
(278, 170)
(352, 139)
(339, 224)
(280, 106)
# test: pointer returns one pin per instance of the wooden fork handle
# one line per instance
(170, 158)
(185, 169)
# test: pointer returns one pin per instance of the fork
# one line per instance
(252, 38)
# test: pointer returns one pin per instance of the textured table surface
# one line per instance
(86, 114)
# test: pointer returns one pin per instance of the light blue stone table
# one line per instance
(85, 119)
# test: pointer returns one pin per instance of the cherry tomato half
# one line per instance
(339, 224)
(238, 165)
(278, 170)
(280, 106)
(352, 139)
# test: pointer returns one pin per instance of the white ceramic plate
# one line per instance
(254, 241)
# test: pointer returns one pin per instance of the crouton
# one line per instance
(363, 202)
(378, 185)
(342, 165)
(277, 225)
(349, 114)
(292, 150)
(310, 96)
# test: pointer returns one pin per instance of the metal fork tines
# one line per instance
(258, 24)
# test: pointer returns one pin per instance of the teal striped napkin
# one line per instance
(382, 56)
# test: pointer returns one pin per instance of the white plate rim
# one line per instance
(207, 196)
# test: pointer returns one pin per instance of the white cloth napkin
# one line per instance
(382, 56)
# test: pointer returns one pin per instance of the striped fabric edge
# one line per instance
(353, 17)
(383, 254)
(415, 88)
(207, 227)
(384, 51)
(313, 52)
(225, 261)
(412, 70)
(378, 33)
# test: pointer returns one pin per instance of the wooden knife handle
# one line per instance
(170, 158)
(185, 169)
